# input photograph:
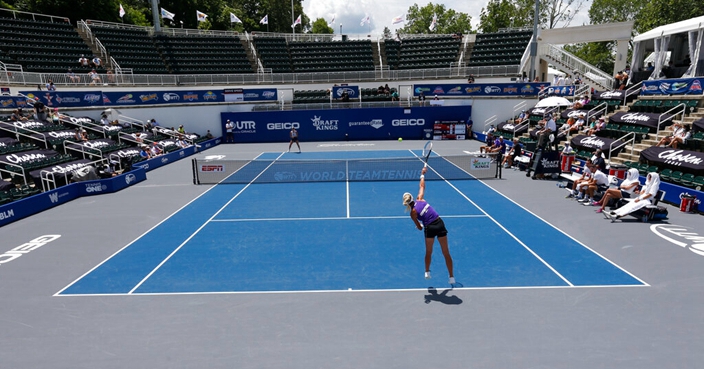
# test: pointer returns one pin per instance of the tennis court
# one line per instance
(275, 230)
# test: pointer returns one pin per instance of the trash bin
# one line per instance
(687, 203)
(566, 163)
(618, 171)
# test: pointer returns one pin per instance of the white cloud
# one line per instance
(381, 12)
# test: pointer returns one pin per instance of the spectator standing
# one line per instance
(229, 136)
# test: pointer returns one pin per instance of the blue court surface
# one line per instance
(336, 236)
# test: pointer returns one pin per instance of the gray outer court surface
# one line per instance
(656, 326)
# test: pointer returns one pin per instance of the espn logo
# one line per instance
(212, 168)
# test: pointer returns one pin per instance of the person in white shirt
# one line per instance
(599, 181)
(645, 196)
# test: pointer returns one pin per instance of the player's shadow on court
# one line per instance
(442, 297)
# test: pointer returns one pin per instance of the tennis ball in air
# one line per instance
(400, 139)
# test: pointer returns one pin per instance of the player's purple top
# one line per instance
(426, 213)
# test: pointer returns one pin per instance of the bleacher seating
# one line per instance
(203, 54)
(331, 56)
(131, 48)
(273, 52)
(310, 96)
(435, 52)
(391, 50)
(501, 48)
(42, 46)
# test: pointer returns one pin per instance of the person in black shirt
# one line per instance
(599, 161)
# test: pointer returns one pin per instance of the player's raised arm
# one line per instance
(421, 190)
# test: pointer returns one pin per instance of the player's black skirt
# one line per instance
(436, 229)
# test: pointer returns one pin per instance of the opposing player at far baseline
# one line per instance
(432, 224)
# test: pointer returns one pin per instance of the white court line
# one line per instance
(347, 184)
(337, 218)
(553, 226)
(415, 290)
(202, 226)
(143, 234)
(501, 226)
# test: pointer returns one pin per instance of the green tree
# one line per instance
(321, 26)
(387, 33)
(448, 21)
(500, 14)
(656, 13)
(598, 54)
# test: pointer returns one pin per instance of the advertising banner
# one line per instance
(58, 99)
(684, 160)
(641, 119)
(480, 89)
(698, 125)
(13, 102)
(352, 92)
(591, 143)
(609, 95)
(559, 90)
(576, 113)
(683, 86)
(339, 124)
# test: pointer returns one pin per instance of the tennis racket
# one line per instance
(427, 149)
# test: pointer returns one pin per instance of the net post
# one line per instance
(194, 164)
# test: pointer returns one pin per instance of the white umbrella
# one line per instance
(553, 101)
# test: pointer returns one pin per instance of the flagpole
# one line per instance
(293, 21)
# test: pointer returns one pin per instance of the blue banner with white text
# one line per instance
(13, 102)
(352, 92)
(480, 89)
(339, 124)
(683, 86)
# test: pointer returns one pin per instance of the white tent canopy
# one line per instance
(679, 41)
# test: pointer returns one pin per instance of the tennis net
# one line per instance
(339, 170)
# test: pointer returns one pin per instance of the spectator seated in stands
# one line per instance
(598, 183)
(582, 181)
(104, 120)
(96, 62)
(599, 160)
(138, 137)
(489, 143)
(521, 117)
(677, 131)
(83, 62)
(17, 116)
(155, 149)
(94, 78)
(181, 130)
(50, 86)
(598, 126)
(645, 196)
(516, 151)
(107, 170)
(380, 90)
(470, 79)
(580, 102)
(144, 152)
(54, 115)
(649, 67)
(682, 138)
(394, 96)
(625, 190)
(566, 127)
(80, 135)
(111, 76)
(72, 76)
(182, 142)
(208, 135)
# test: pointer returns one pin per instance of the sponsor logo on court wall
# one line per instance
(27, 247)
(282, 126)
(95, 187)
(321, 124)
(481, 163)
(407, 122)
(245, 126)
(681, 236)
(7, 214)
(130, 178)
(54, 197)
(374, 123)
(353, 175)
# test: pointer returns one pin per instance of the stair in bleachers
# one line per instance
(204, 54)
(131, 48)
(391, 52)
(42, 46)
(273, 52)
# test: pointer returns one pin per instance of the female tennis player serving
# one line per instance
(421, 211)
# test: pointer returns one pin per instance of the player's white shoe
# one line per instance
(427, 275)
(452, 280)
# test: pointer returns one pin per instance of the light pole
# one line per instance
(340, 29)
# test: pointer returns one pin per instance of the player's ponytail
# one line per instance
(408, 201)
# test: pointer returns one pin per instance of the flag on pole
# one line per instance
(234, 19)
(265, 20)
(167, 14)
(365, 20)
(298, 21)
(332, 21)
(400, 19)
(122, 11)
(201, 16)
(434, 23)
